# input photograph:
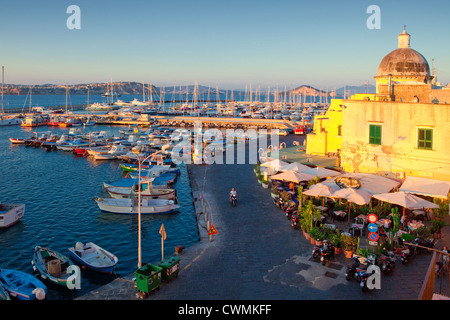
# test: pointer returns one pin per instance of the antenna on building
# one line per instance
(433, 72)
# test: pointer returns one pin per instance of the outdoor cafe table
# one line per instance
(322, 208)
(340, 213)
(418, 214)
(414, 225)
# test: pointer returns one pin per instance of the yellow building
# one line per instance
(402, 130)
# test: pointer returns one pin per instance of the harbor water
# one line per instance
(58, 189)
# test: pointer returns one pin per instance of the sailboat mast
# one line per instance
(3, 80)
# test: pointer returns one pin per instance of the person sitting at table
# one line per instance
(386, 223)
(404, 221)
(382, 232)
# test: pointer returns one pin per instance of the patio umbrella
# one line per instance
(406, 200)
(295, 166)
(321, 190)
(357, 196)
(274, 166)
(321, 172)
(292, 176)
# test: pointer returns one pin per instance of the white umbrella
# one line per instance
(406, 200)
(292, 176)
(321, 190)
(295, 166)
(357, 196)
(321, 172)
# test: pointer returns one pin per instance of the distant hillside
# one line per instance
(349, 90)
(82, 89)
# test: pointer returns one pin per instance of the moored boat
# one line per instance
(17, 140)
(21, 285)
(10, 214)
(148, 190)
(4, 295)
(52, 265)
(130, 206)
(93, 257)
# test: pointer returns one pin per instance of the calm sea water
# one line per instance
(58, 189)
(22, 102)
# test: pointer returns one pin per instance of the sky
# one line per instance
(230, 44)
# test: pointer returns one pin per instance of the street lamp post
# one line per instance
(136, 152)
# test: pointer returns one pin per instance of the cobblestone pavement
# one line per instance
(257, 255)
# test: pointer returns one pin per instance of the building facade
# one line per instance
(401, 130)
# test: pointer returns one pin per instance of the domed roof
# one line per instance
(404, 61)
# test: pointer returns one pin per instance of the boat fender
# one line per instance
(39, 293)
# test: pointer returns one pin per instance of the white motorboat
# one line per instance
(130, 206)
(10, 214)
(148, 190)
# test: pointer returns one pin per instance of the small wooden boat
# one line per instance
(80, 151)
(147, 190)
(4, 295)
(52, 266)
(10, 214)
(130, 206)
(21, 285)
(17, 141)
(93, 257)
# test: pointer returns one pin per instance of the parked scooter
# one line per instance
(363, 275)
(279, 202)
(295, 221)
(386, 262)
(428, 243)
(408, 253)
(327, 252)
(316, 253)
(290, 211)
(352, 271)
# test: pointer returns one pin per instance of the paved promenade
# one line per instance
(257, 255)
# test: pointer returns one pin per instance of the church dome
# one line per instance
(404, 61)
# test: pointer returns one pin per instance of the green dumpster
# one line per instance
(170, 268)
(148, 278)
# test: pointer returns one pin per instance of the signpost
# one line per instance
(162, 232)
(373, 229)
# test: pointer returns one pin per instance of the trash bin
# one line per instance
(148, 278)
(170, 268)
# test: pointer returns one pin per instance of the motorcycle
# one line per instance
(290, 211)
(295, 221)
(352, 271)
(279, 202)
(387, 262)
(327, 252)
(408, 253)
(428, 243)
(316, 253)
(233, 200)
(363, 275)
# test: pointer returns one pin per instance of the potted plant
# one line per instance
(306, 214)
(321, 235)
(336, 240)
(423, 233)
(314, 234)
(349, 244)
(436, 226)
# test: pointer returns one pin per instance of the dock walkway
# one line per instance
(257, 255)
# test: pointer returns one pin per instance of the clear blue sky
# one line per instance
(229, 44)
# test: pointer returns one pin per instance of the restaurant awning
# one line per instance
(295, 166)
(321, 172)
(292, 176)
(406, 200)
(426, 187)
(371, 183)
